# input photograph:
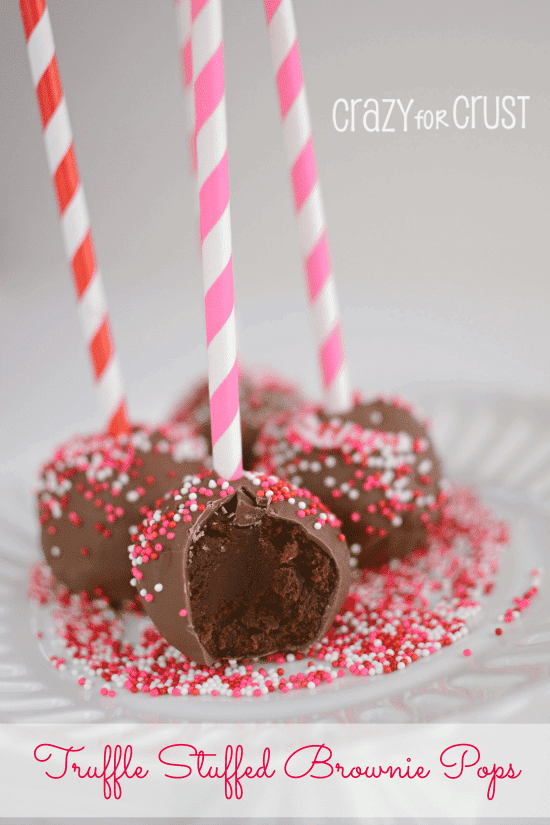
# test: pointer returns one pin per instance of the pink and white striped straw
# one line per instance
(183, 14)
(215, 227)
(308, 205)
(75, 224)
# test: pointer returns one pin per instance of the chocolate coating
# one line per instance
(94, 489)
(261, 395)
(375, 467)
(242, 575)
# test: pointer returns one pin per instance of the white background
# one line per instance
(525, 747)
(439, 240)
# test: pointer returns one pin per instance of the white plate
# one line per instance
(498, 443)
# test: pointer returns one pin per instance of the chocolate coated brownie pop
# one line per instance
(95, 488)
(261, 395)
(374, 466)
(240, 569)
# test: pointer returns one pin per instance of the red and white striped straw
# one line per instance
(215, 227)
(308, 205)
(75, 224)
(183, 14)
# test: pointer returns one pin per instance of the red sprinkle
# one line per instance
(391, 618)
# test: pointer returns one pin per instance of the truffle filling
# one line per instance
(258, 584)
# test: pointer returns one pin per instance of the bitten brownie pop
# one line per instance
(95, 488)
(240, 569)
(375, 466)
(261, 396)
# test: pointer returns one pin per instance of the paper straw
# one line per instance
(75, 224)
(215, 227)
(308, 205)
(183, 15)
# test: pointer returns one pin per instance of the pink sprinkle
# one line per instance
(112, 693)
(183, 612)
(236, 691)
(82, 681)
(467, 652)
(170, 535)
(176, 692)
(158, 546)
(104, 691)
(149, 597)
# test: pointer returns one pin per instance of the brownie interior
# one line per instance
(258, 584)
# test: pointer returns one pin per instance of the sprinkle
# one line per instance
(392, 618)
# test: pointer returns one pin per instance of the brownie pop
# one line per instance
(228, 570)
(261, 396)
(234, 565)
(95, 488)
(374, 466)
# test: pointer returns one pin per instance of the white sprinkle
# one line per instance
(330, 481)
(132, 495)
(55, 551)
(330, 461)
(354, 494)
(143, 592)
(158, 587)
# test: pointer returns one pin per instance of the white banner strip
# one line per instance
(314, 770)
